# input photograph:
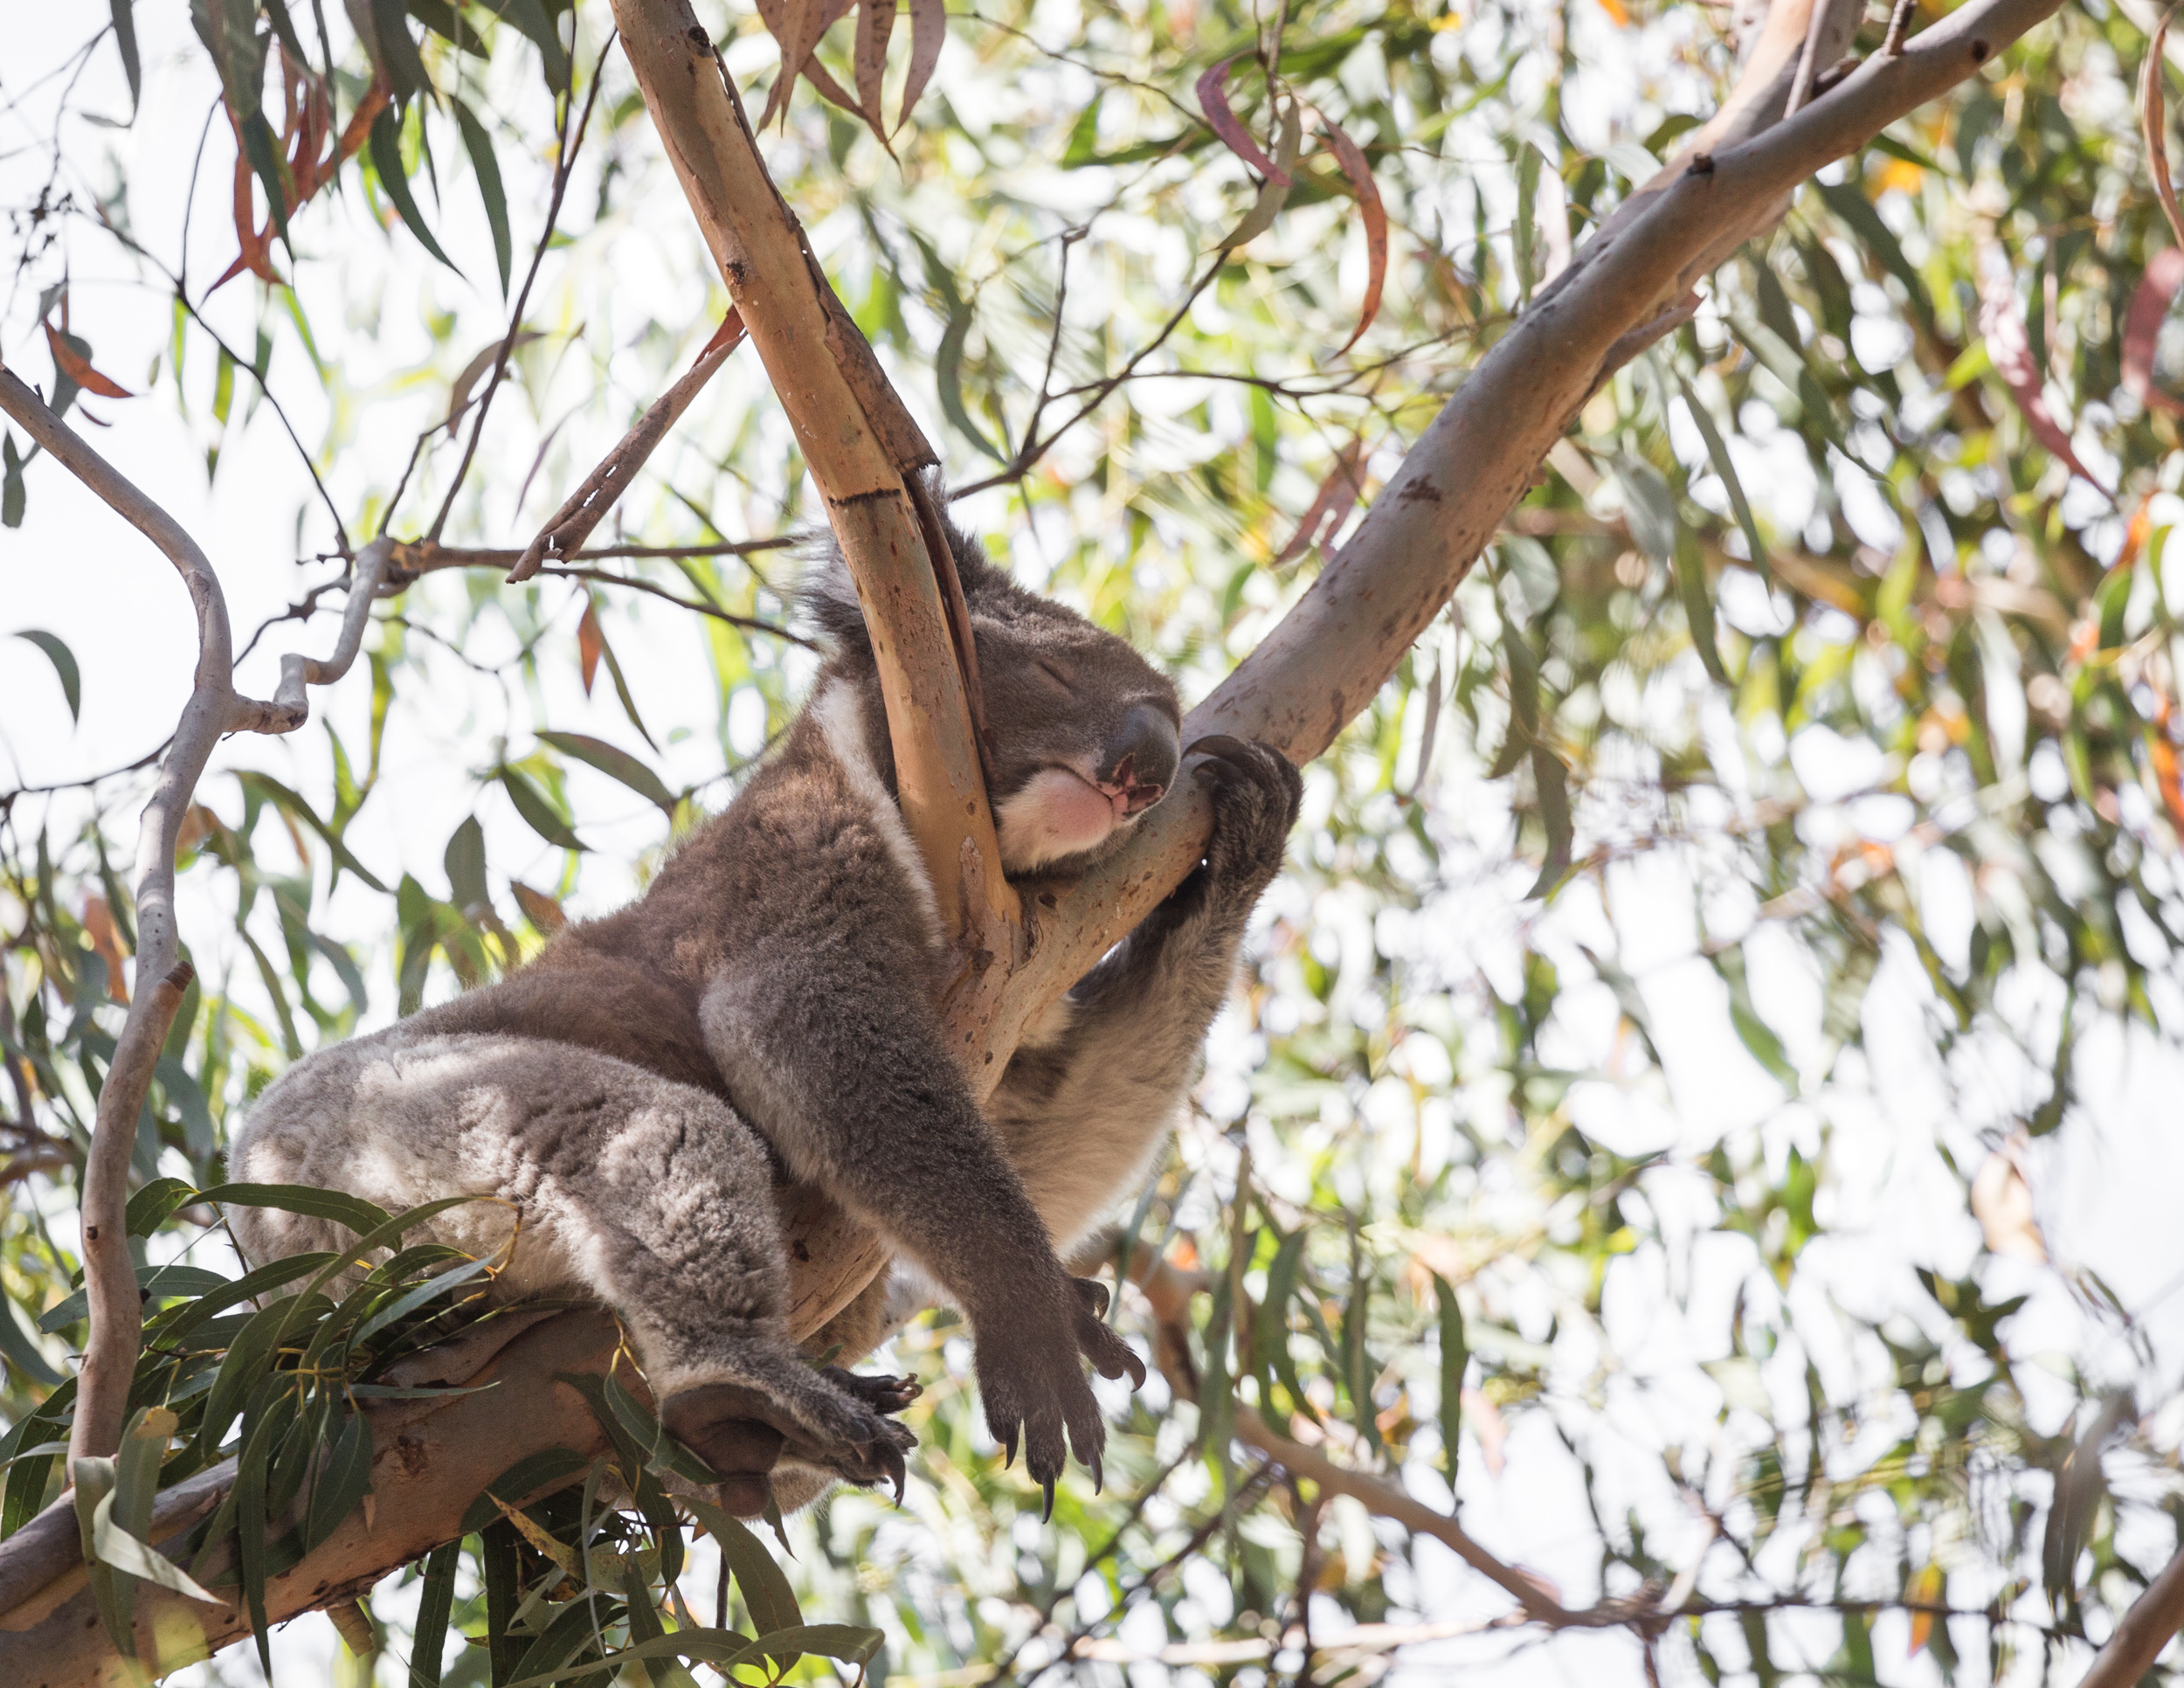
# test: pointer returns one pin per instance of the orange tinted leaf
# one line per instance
(1212, 92)
(1616, 9)
(590, 642)
(74, 365)
(929, 34)
(798, 25)
(538, 908)
(1924, 1590)
(1351, 157)
(2142, 327)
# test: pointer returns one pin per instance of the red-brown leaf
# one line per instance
(1338, 495)
(2151, 120)
(2142, 327)
(1214, 101)
(875, 23)
(590, 642)
(2010, 349)
(798, 25)
(77, 367)
(1352, 160)
(929, 34)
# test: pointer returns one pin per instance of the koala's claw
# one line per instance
(1256, 794)
(1047, 1510)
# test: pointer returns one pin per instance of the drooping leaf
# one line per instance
(1352, 160)
(72, 358)
(1331, 507)
(386, 160)
(64, 661)
(2150, 304)
(428, 1635)
(487, 168)
(1455, 1355)
(124, 15)
(948, 376)
(1212, 94)
(616, 764)
(537, 812)
(1717, 453)
(875, 24)
(2003, 328)
(929, 34)
(765, 1589)
(1276, 192)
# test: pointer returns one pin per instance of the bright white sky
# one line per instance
(2104, 1185)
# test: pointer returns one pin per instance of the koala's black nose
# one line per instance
(1143, 758)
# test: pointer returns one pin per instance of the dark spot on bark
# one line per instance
(91, 1233)
(699, 39)
(1048, 900)
(799, 1249)
(411, 1453)
(1423, 488)
(1701, 163)
(1979, 53)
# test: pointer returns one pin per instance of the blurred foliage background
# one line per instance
(1668, 1116)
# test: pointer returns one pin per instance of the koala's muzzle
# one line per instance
(1141, 759)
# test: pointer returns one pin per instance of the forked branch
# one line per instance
(214, 709)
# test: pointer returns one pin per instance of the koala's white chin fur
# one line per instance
(1057, 813)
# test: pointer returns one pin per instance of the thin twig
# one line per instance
(1898, 25)
(565, 168)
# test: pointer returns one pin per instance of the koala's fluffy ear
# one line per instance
(829, 597)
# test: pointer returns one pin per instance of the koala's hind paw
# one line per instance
(1256, 794)
(832, 1419)
(1030, 1377)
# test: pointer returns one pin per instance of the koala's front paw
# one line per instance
(1255, 794)
(1030, 1377)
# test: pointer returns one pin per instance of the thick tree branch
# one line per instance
(214, 709)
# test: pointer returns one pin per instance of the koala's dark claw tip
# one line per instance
(1047, 1511)
(1099, 1474)
(1135, 1367)
(1008, 1449)
(891, 1463)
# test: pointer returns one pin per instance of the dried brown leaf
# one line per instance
(2010, 349)
(590, 642)
(2153, 119)
(1331, 506)
(74, 365)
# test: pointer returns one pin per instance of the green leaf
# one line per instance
(578, 1622)
(766, 1592)
(153, 1282)
(244, 1366)
(532, 805)
(1523, 234)
(12, 491)
(1717, 451)
(292, 805)
(549, 1467)
(124, 15)
(386, 159)
(64, 661)
(487, 168)
(428, 1290)
(1699, 606)
(266, 163)
(719, 1648)
(341, 1482)
(1553, 779)
(361, 1216)
(177, 1322)
(466, 863)
(21, 1352)
(535, 21)
(616, 764)
(151, 1207)
(1455, 1354)
(948, 372)
(397, 54)
(123, 1517)
(428, 1637)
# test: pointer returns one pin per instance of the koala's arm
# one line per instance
(1082, 1107)
(828, 1038)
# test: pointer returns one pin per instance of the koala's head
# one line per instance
(1084, 734)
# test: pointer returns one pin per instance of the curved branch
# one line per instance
(214, 709)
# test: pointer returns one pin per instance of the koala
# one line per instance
(768, 1009)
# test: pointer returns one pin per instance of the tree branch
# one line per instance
(2145, 1630)
(214, 709)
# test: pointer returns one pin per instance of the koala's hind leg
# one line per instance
(654, 1196)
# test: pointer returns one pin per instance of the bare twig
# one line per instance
(572, 523)
(1898, 25)
(213, 710)
(565, 167)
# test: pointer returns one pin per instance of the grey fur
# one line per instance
(771, 996)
